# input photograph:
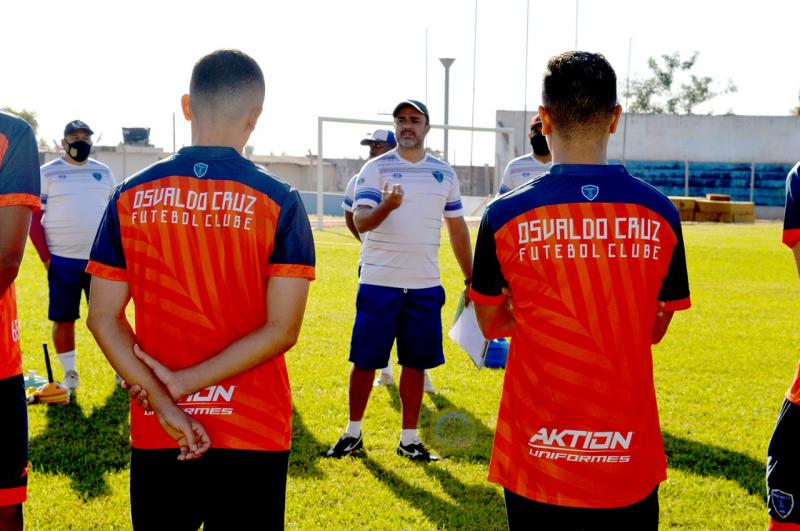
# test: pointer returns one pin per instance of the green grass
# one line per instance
(720, 373)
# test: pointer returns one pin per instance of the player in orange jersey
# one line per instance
(217, 255)
(783, 465)
(19, 196)
(595, 264)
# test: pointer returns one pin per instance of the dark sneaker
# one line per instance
(346, 445)
(416, 451)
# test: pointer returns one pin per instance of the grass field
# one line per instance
(720, 374)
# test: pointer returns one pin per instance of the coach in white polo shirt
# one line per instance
(75, 192)
(400, 199)
(523, 169)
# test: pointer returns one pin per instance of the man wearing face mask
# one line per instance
(523, 169)
(75, 192)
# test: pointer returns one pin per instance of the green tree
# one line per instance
(672, 87)
(25, 114)
(796, 110)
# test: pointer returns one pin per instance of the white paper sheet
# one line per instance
(467, 334)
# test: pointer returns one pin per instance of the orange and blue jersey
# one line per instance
(19, 186)
(197, 237)
(587, 252)
(791, 237)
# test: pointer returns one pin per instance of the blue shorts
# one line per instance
(412, 316)
(14, 441)
(68, 279)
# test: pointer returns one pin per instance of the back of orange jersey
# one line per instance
(197, 237)
(587, 252)
(19, 186)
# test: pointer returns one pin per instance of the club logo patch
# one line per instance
(439, 176)
(783, 502)
(200, 169)
(97, 175)
(590, 191)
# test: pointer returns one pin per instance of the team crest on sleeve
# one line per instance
(200, 169)
(590, 191)
(97, 175)
(439, 176)
(783, 502)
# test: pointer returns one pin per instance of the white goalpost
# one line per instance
(500, 162)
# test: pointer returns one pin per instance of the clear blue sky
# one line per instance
(115, 64)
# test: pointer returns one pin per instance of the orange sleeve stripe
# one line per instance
(791, 237)
(107, 272)
(680, 304)
(775, 525)
(21, 200)
(485, 299)
(13, 496)
(291, 270)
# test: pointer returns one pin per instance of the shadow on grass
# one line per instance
(470, 506)
(712, 461)
(84, 448)
(306, 450)
(452, 431)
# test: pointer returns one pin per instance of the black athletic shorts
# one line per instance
(524, 513)
(13, 441)
(783, 466)
(224, 489)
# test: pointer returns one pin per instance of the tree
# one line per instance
(660, 94)
(25, 114)
(796, 110)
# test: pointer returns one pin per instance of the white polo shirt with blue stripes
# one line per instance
(403, 251)
(521, 170)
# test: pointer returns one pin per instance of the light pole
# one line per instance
(446, 62)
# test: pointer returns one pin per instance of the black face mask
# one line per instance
(79, 151)
(539, 145)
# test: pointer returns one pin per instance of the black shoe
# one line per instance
(346, 445)
(416, 451)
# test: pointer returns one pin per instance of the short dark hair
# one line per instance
(579, 88)
(221, 76)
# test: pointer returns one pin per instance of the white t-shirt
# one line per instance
(521, 170)
(350, 194)
(73, 200)
(403, 251)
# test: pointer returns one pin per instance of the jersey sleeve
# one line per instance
(368, 186)
(349, 194)
(107, 259)
(19, 169)
(44, 188)
(675, 286)
(487, 277)
(453, 207)
(293, 253)
(791, 217)
(505, 182)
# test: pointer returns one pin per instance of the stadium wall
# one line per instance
(721, 153)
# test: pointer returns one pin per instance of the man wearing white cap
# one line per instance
(379, 143)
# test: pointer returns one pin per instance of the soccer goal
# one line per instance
(500, 159)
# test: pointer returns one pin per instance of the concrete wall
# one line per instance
(698, 138)
(124, 161)
(744, 156)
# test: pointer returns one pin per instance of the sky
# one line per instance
(117, 64)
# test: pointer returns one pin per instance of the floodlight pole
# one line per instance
(446, 62)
